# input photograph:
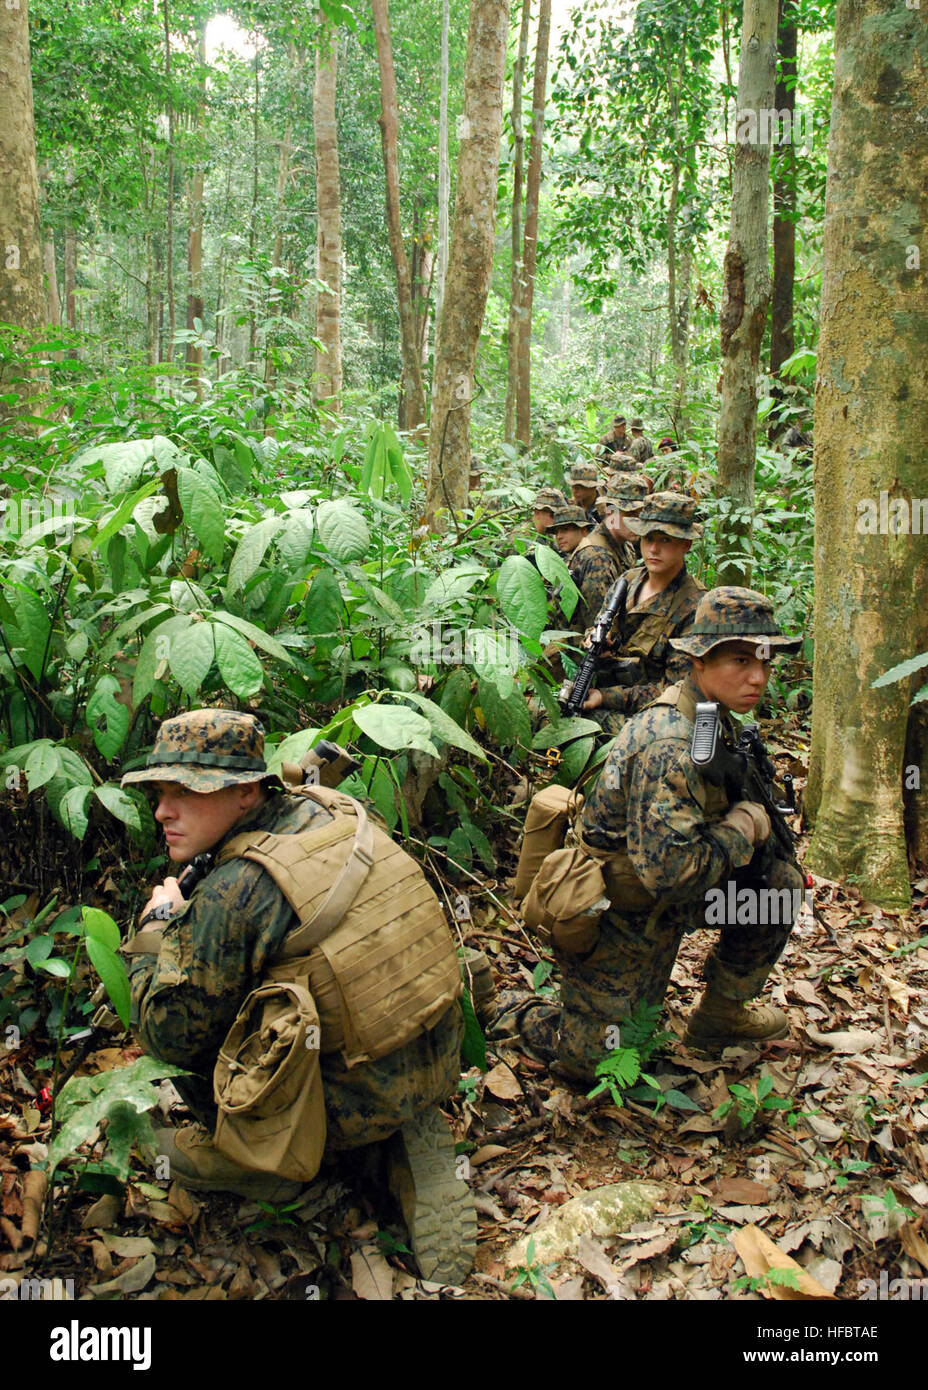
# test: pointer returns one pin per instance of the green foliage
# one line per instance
(774, 1278)
(621, 1067)
(533, 1274)
(750, 1104)
(120, 1101)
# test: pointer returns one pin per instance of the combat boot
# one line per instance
(718, 1023)
(196, 1163)
(478, 978)
(437, 1205)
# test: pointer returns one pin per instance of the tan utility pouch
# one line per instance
(567, 899)
(546, 823)
(268, 1087)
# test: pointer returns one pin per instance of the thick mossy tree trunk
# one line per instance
(22, 291)
(869, 772)
(470, 264)
(746, 292)
(329, 223)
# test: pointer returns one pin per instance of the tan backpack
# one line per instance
(370, 965)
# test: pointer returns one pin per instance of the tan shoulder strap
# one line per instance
(282, 856)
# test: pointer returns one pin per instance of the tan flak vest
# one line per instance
(372, 945)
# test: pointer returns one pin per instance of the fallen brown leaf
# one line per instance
(759, 1255)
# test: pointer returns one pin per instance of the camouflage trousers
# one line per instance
(369, 1102)
(633, 960)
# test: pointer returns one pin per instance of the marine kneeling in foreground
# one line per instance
(308, 980)
(673, 840)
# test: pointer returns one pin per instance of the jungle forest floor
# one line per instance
(836, 1177)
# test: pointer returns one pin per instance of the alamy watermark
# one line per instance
(441, 645)
(21, 514)
(896, 516)
(900, 1290)
(731, 906)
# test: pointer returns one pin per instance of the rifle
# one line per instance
(747, 774)
(573, 693)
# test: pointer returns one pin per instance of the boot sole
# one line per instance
(438, 1207)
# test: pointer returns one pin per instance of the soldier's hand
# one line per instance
(593, 700)
(750, 820)
(166, 892)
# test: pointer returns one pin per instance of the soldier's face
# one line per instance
(663, 555)
(583, 496)
(195, 821)
(615, 525)
(567, 538)
(541, 520)
(735, 674)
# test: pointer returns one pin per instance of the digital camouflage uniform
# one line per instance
(215, 950)
(664, 824)
(641, 448)
(587, 474)
(595, 565)
(610, 443)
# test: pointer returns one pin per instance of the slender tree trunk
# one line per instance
(470, 263)
(444, 168)
(530, 253)
(412, 412)
(782, 338)
(253, 229)
(746, 292)
(328, 223)
(52, 299)
(868, 761)
(518, 174)
(151, 298)
(169, 287)
(222, 361)
(195, 304)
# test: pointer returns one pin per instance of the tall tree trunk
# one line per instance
(530, 252)
(412, 411)
(22, 290)
(222, 361)
(444, 167)
(746, 292)
(328, 223)
(518, 175)
(52, 299)
(871, 421)
(782, 338)
(169, 287)
(253, 227)
(151, 298)
(195, 305)
(470, 264)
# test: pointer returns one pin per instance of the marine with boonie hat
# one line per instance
(616, 439)
(607, 551)
(192, 972)
(672, 836)
(584, 487)
(641, 448)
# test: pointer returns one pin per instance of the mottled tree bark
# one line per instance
(530, 249)
(518, 174)
(444, 167)
(869, 770)
(328, 223)
(746, 293)
(782, 338)
(194, 353)
(169, 287)
(412, 412)
(471, 260)
(22, 289)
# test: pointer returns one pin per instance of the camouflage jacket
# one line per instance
(215, 950)
(645, 632)
(595, 565)
(641, 448)
(609, 446)
(651, 804)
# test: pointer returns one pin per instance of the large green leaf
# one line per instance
(554, 568)
(552, 736)
(343, 530)
(156, 649)
(125, 461)
(295, 539)
(445, 727)
(112, 972)
(72, 810)
(324, 608)
(41, 765)
(191, 656)
(521, 592)
(86, 1102)
(238, 665)
(100, 926)
(250, 551)
(395, 726)
(123, 514)
(900, 672)
(254, 634)
(119, 805)
(507, 720)
(452, 585)
(33, 626)
(203, 511)
(103, 708)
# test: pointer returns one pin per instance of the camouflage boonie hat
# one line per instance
(569, 516)
(206, 750)
(549, 499)
(618, 419)
(628, 492)
(622, 462)
(670, 512)
(586, 474)
(637, 423)
(730, 614)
